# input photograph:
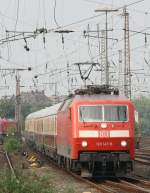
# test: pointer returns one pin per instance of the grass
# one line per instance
(24, 183)
(27, 182)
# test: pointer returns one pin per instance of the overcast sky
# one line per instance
(29, 15)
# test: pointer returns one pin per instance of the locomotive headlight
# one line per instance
(104, 125)
(123, 143)
(84, 143)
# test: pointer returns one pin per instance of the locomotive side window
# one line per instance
(115, 113)
(90, 113)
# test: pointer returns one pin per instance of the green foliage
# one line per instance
(26, 109)
(24, 184)
(7, 108)
(143, 107)
(11, 144)
(29, 103)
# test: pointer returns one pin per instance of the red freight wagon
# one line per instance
(93, 133)
(7, 127)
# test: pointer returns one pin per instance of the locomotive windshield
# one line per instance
(103, 113)
(115, 113)
(90, 113)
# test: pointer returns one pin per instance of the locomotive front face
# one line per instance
(105, 126)
(104, 132)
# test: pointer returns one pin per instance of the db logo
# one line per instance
(104, 134)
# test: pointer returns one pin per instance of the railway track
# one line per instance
(127, 185)
(143, 156)
(10, 163)
(111, 185)
(117, 185)
(145, 143)
(7, 159)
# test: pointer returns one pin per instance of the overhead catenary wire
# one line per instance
(95, 16)
(85, 19)
(142, 31)
(17, 16)
(89, 18)
(133, 49)
(44, 13)
(55, 6)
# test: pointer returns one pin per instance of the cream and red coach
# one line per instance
(90, 133)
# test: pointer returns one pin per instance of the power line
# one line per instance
(95, 16)
(77, 22)
(139, 11)
(44, 13)
(18, 3)
(55, 5)
(32, 36)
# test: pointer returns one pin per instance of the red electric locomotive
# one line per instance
(93, 133)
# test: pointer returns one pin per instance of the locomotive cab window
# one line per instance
(115, 113)
(99, 113)
(90, 113)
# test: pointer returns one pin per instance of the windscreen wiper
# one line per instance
(81, 115)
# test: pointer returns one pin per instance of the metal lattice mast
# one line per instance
(120, 74)
(103, 56)
(68, 77)
(18, 96)
(127, 71)
(18, 104)
(106, 42)
(99, 48)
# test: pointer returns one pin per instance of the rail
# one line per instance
(9, 163)
(112, 186)
(143, 156)
(127, 186)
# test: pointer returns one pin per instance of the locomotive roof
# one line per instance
(101, 97)
(52, 110)
(86, 97)
(65, 104)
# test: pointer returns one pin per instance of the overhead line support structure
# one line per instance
(120, 74)
(18, 96)
(106, 42)
(58, 29)
(127, 70)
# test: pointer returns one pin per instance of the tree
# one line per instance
(143, 107)
(7, 108)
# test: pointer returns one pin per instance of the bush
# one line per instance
(12, 144)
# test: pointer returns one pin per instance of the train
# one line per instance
(90, 133)
(7, 128)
